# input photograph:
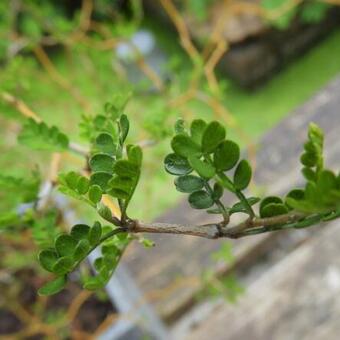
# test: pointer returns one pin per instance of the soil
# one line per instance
(90, 315)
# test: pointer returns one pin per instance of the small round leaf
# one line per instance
(213, 135)
(200, 200)
(95, 193)
(226, 155)
(268, 200)
(65, 244)
(203, 168)
(242, 175)
(47, 259)
(184, 146)
(83, 184)
(274, 209)
(100, 178)
(177, 165)
(188, 183)
(95, 233)
(53, 287)
(102, 162)
(63, 265)
(80, 231)
(197, 128)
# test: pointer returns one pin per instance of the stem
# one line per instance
(110, 234)
(79, 149)
(218, 202)
(245, 202)
(218, 230)
(230, 186)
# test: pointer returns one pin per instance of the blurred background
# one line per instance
(264, 68)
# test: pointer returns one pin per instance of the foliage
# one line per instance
(40, 137)
(205, 164)
(308, 12)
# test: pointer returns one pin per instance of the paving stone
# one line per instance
(295, 300)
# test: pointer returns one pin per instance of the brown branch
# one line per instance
(181, 28)
(20, 106)
(213, 230)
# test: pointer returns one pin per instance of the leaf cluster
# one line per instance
(39, 136)
(201, 161)
(69, 250)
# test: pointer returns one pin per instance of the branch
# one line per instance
(215, 230)
(211, 231)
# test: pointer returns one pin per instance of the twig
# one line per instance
(20, 106)
(182, 29)
(215, 230)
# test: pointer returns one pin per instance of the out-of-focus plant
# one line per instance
(284, 11)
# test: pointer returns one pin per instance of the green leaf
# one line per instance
(101, 179)
(126, 168)
(47, 259)
(104, 143)
(53, 287)
(274, 209)
(242, 175)
(188, 183)
(226, 155)
(217, 191)
(268, 200)
(315, 134)
(95, 193)
(147, 243)
(102, 162)
(200, 200)
(121, 187)
(39, 136)
(308, 159)
(203, 168)
(135, 154)
(26, 188)
(93, 283)
(240, 207)
(83, 185)
(65, 244)
(311, 147)
(95, 233)
(311, 193)
(180, 126)
(80, 231)
(197, 129)
(104, 212)
(177, 165)
(184, 146)
(301, 205)
(98, 263)
(63, 265)
(213, 135)
(81, 250)
(309, 174)
(296, 194)
(71, 179)
(326, 182)
(123, 127)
